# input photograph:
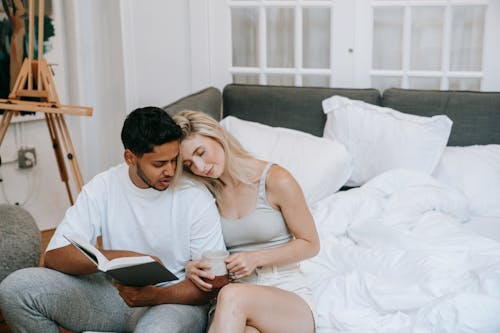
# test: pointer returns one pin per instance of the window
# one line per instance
(421, 44)
(428, 44)
(281, 42)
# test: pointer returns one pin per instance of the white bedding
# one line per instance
(485, 226)
(395, 257)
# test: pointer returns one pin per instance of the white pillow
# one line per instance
(320, 166)
(381, 139)
(475, 170)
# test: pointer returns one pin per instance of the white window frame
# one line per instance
(341, 43)
(445, 74)
(350, 44)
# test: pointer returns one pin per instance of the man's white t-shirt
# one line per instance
(176, 225)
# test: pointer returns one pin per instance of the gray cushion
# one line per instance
(20, 245)
(293, 107)
(207, 100)
(475, 115)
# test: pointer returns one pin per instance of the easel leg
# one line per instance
(21, 79)
(4, 124)
(70, 151)
(54, 138)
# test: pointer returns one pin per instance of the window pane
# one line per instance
(385, 82)
(315, 81)
(467, 38)
(387, 38)
(426, 38)
(464, 84)
(316, 38)
(246, 78)
(281, 80)
(425, 83)
(280, 37)
(245, 37)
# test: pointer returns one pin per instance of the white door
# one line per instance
(428, 44)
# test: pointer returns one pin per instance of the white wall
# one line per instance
(41, 186)
(113, 56)
(157, 51)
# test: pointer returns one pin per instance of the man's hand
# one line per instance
(138, 296)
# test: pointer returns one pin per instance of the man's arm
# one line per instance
(184, 292)
(70, 260)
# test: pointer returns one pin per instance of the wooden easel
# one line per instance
(34, 91)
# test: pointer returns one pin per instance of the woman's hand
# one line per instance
(196, 272)
(241, 264)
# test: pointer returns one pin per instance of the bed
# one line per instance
(404, 188)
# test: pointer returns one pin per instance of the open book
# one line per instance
(130, 271)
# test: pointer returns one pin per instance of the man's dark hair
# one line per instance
(145, 128)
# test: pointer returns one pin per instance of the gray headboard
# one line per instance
(475, 115)
(207, 100)
(292, 107)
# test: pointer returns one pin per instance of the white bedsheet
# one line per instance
(485, 226)
(395, 257)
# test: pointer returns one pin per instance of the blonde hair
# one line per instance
(236, 157)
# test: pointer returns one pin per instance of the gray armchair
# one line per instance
(19, 240)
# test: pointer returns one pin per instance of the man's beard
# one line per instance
(145, 179)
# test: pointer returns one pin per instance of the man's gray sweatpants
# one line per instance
(40, 300)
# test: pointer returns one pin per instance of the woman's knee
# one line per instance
(251, 329)
(234, 293)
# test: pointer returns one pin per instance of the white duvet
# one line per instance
(395, 258)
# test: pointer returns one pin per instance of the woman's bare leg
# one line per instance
(267, 309)
(250, 329)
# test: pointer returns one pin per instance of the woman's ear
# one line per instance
(129, 157)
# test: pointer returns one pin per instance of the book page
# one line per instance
(126, 262)
(90, 251)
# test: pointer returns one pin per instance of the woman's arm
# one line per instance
(284, 193)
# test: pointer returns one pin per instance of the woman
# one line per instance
(267, 228)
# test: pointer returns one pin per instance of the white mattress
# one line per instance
(484, 226)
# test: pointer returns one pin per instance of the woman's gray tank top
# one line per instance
(263, 228)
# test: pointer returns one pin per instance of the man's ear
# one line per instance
(129, 157)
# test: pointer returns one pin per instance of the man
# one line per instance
(137, 212)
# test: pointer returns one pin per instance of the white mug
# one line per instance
(216, 260)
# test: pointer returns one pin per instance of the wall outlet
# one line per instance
(26, 158)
